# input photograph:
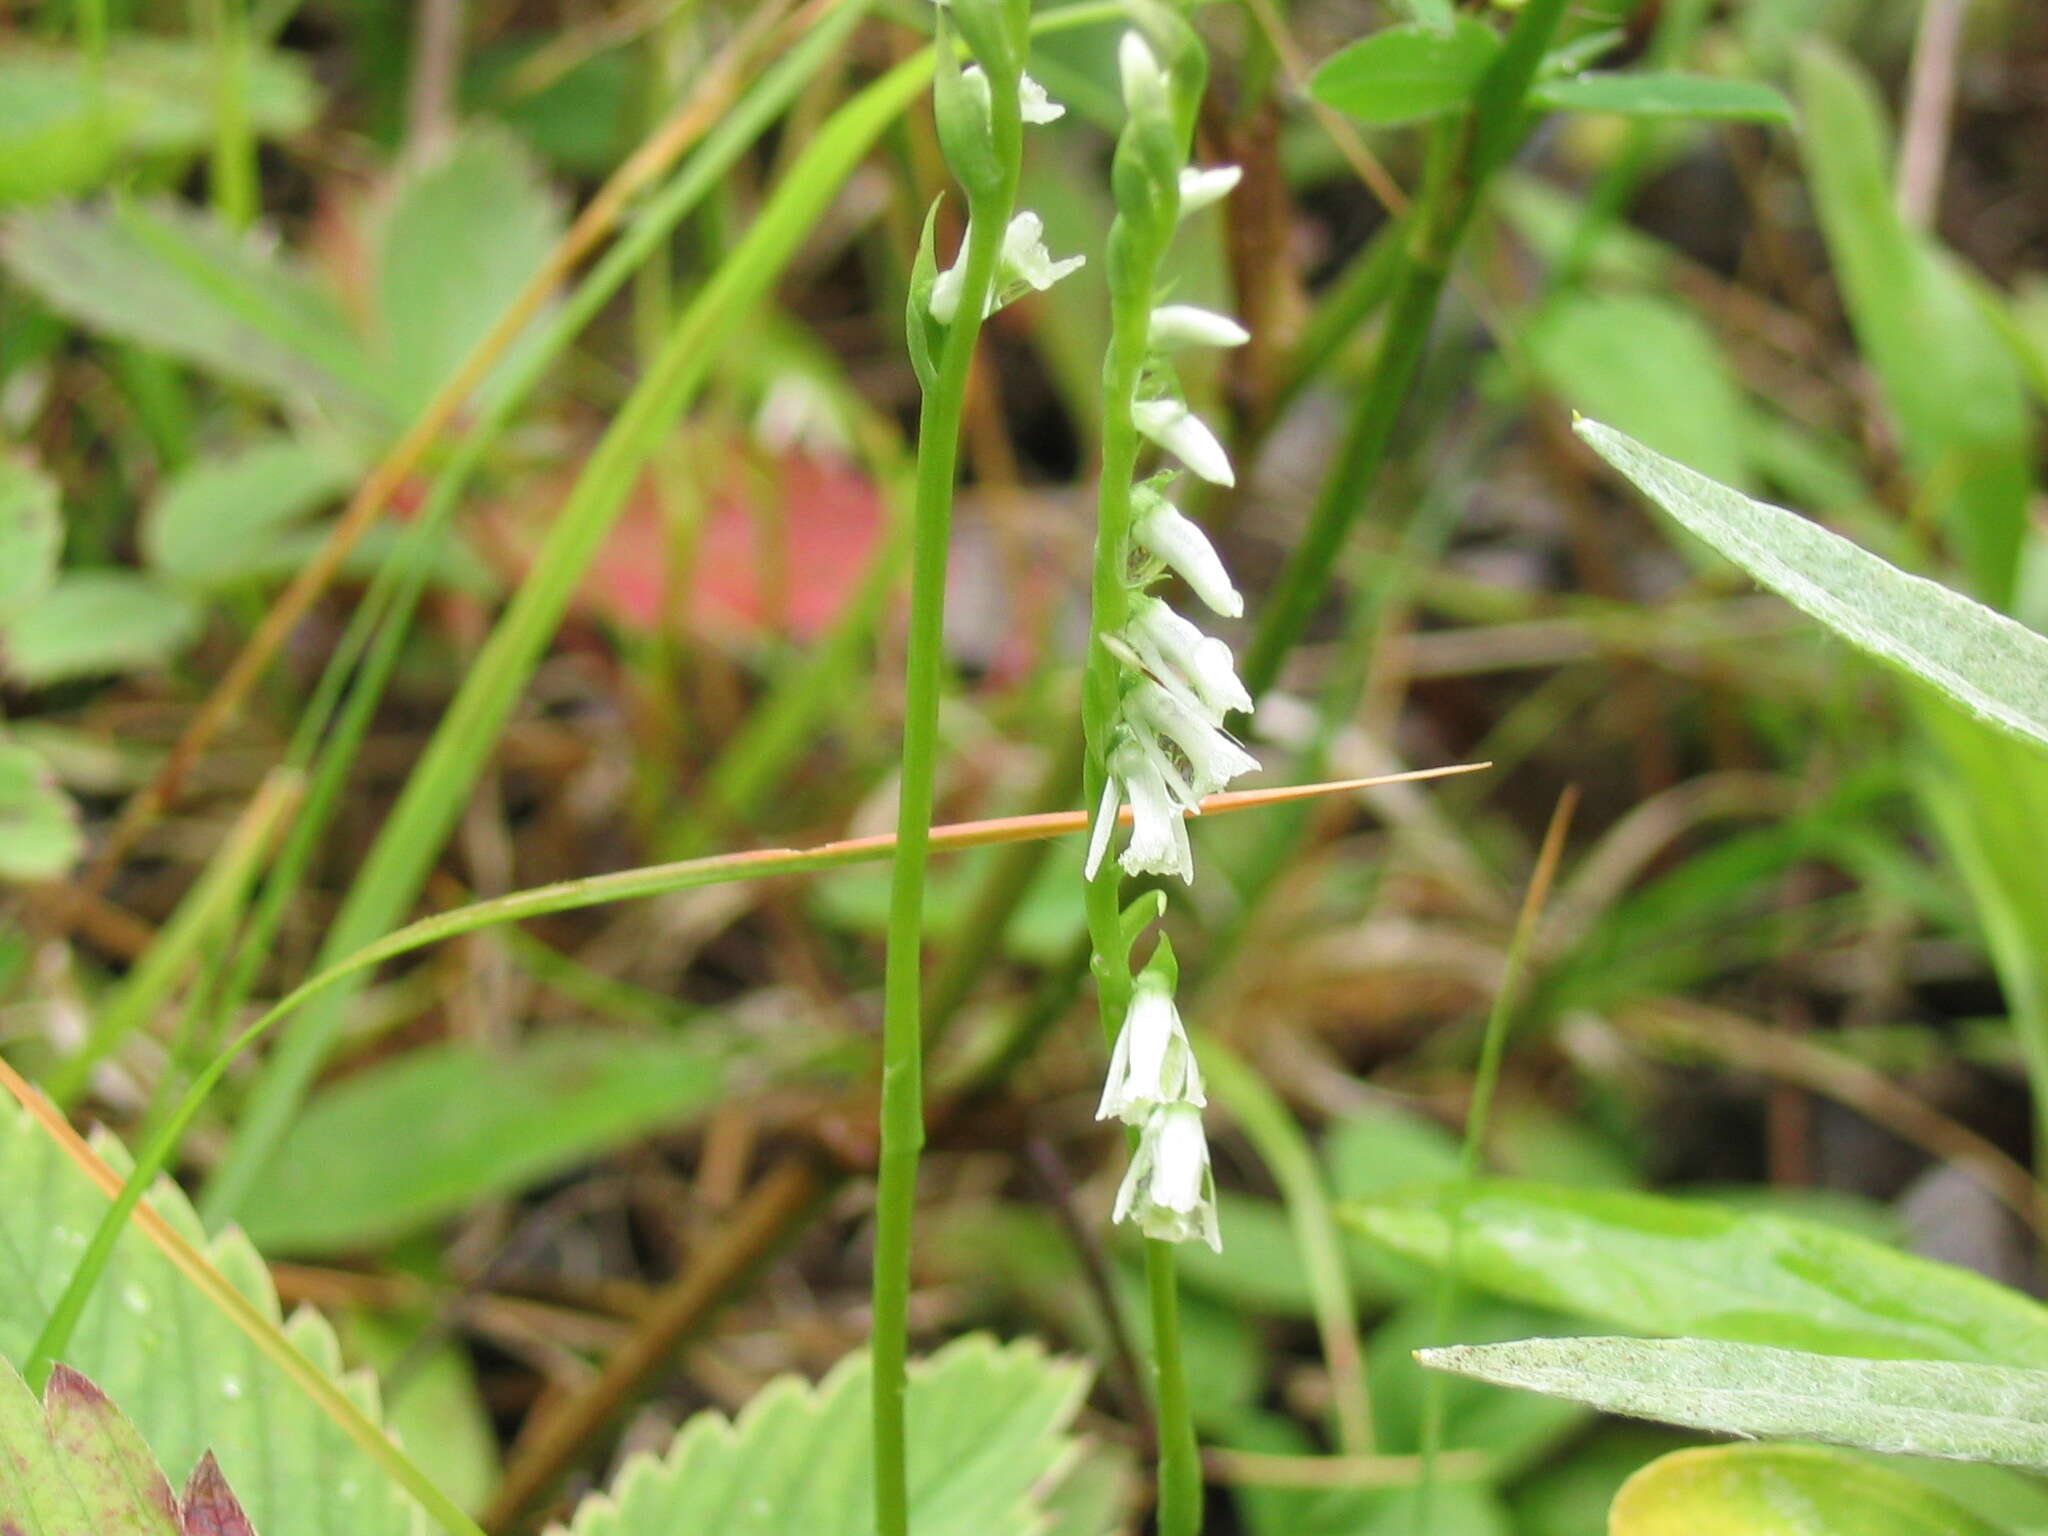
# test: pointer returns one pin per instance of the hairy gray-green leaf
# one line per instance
(1913, 1407)
(1994, 668)
(459, 239)
(441, 1127)
(987, 1426)
(96, 622)
(218, 521)
(1660, 93)
(31, 533)
(1655, 1264)
(187, 1377)
(39, 834)
(170, 278)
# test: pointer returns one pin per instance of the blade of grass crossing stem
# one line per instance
(206, 911)
(1278, 1140)
(570, 895)
(1491, 1052)
(317, 1385)
(411, 839)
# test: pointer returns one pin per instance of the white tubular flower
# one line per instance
(1025, 266)
(1159, 833)
(1153, 1063)
(1182, 433)
(1213, 759)
(1196, 666)
(1200, 188)
(1169, 1191)
(1186, 325)
(1038, 108)
(1144, 81)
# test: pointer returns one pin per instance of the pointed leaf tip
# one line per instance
(210, 1507)
(72, 1389)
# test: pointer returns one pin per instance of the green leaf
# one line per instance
(219, 520)
(1948, 376)
(987, 1426)
(1995, 669)
(1781, 1490)
(53, 139)
(1664, 93)
(74, 1466)
(158, 100)
(459, 239)
(39, 835)
(1648, 365)
(191, 1379)
(1407, 74)
(167, 277)
(1653, 1264)
(95, 622)
(31, 534)
(436, 1129)
(1909, 1407)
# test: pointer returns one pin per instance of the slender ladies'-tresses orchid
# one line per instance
(1160, 691)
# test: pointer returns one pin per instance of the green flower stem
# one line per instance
(902, 1112)
(1180, 1465)
(1180, 1473)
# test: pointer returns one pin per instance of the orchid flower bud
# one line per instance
(1144, 79)
(1169, 1191)
(1185, 325)
(1162, 530)
(1200, 188)
(1182, 433)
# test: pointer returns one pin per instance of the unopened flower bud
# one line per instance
(1182, 433)
(1186, 325)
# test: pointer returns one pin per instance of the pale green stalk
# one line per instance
(989, 202)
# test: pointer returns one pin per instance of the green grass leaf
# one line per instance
(1407, 74)
(1659, 1265)
(1651, 367)
(1781, 1490)
(1948, 377)
(1994, 668)
(1664, 93)
(987, 1422)
(74, 1466)
(1911, 1407)
(438, 1128)
(190, 1378)
(96, 622)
